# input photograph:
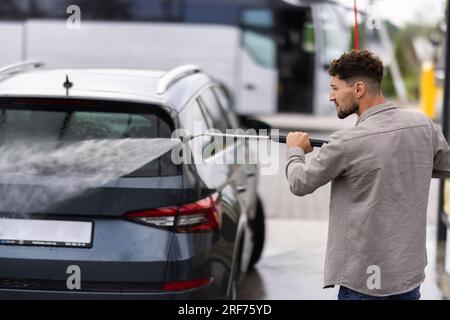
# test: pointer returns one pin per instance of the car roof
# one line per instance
(138, 85)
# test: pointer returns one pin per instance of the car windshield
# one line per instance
(60, 122)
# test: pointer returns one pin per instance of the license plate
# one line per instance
(53, 233)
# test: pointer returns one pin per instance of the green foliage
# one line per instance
(408, 62)
(387, 86)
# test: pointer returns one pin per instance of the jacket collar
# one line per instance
(376, 109)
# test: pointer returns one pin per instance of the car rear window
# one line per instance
(61, 122)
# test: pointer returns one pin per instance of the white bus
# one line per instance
(272, 55)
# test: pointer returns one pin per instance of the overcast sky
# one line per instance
(400, 12)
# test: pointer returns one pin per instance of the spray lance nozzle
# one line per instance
(280, 138)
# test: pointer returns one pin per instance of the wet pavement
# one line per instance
(291, 266)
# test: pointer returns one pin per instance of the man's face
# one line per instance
(342, 94)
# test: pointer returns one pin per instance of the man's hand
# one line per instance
(299, 139)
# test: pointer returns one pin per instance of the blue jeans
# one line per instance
(349, 294)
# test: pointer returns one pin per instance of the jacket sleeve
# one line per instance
(304, 178)
(441, 154)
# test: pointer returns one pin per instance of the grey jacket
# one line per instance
(380, 171)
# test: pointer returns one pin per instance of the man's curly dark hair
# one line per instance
(358, 66)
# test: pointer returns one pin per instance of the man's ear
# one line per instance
(359, 89)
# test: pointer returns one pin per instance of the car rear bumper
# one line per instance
(204, 293)
(110, 271)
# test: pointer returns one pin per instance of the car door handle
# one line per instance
(251, 174)
(250, 87)
(241, 189)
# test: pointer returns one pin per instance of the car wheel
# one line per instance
(258, 227)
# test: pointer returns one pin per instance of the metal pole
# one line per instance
(441, 227)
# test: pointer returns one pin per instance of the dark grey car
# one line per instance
(165, 231)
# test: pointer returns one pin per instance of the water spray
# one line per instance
(51, 175)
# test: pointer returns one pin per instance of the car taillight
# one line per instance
(203, 215)
(186, 285)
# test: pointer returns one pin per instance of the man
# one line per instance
(380, 171)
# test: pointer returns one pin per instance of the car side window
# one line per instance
(225, 104)
(194, 116)
(218, 117)
(193, 120)
(213, 111)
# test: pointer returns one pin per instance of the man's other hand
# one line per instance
(299, 139)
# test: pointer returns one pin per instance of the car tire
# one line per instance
(258, 227)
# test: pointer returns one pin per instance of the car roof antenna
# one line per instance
(67, 84)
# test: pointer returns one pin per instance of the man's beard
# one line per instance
(342, 114)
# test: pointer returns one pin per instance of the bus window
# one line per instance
(121, 10)
(261, 47)
(14, 9)
(257, 24)
(56, 9)
(142, 10)
(257, 18)
(309, 40)
(207, 11)
(335, 38)
(296, 60)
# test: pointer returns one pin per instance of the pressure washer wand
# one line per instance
(280, 138)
